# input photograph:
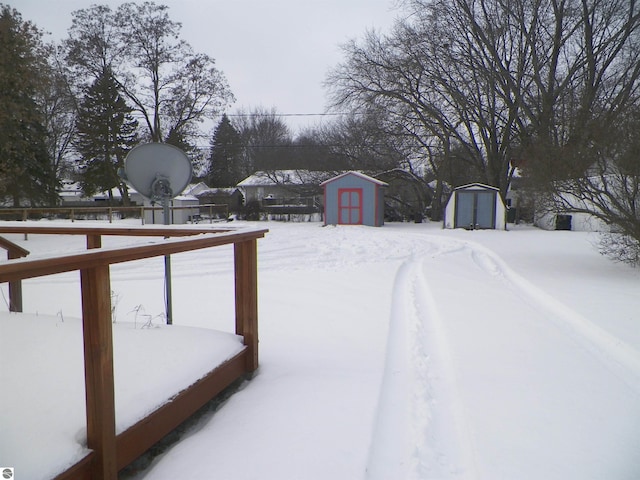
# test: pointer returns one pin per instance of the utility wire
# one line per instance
(334, 114)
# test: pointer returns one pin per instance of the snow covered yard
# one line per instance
(406, 351)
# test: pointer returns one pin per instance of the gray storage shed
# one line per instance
(476, 206)
(353, 198)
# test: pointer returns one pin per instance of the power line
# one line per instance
(137, 113)
(293, 145)
(332, 114)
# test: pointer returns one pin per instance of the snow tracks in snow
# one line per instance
(488, 377)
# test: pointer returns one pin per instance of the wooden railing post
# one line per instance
(15, 288)
(246, 289)
(98, 366)
(94, 241)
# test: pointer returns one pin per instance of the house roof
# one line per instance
(217, 191)
(280, 177)
(357, 174)
(195, 188)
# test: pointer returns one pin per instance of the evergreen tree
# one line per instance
(225, 161)
(25, 168)
(106, 133)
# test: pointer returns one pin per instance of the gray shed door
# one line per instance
(475, 209)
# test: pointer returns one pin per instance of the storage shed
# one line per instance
(475, 206)
(353, 198)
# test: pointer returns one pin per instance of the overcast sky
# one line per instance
(274, 53)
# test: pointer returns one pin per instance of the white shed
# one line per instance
(183, 208)
(476, 206)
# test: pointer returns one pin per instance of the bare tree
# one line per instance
(59, 107)
(266, 138)
(363, 142)
(95, 43)
(172, 88)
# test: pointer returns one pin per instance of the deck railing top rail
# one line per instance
(14, 250)
(145, 231)
(28, 268)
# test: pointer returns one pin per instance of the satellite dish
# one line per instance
(158, 171)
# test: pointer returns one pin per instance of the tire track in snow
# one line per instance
(449, 419)
(619, 357)
(420, 431)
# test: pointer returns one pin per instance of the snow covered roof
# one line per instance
(357, 174)
(70, 189)
(217, 191)
(279, 177)
(195, 188)
(476, 186)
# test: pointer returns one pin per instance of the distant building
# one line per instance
(353, 198)
(231, 197)
(476, 206)
(278, 185)
(290, 195)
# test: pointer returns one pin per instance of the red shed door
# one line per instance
(350, 206)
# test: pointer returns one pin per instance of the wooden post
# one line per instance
(246, 289)
(15, 288)
(98, 368)
(94, 241)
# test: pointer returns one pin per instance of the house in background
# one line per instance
(554, 219)
(231, 197)
(284, 194)
(278, 185)
(71, 194)
(353, 198)
(196, 202)
(476, 206)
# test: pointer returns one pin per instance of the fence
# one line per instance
(208, 211)
(111, 452)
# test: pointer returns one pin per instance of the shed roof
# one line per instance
(476, 186)
(357, 174)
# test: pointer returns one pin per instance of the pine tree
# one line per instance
(106, 133)
(25, 168)
(225, 161)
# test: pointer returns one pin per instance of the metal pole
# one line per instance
(167, 265)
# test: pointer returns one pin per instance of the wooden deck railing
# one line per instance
(111, 453)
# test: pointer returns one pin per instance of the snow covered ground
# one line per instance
(401, 352)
